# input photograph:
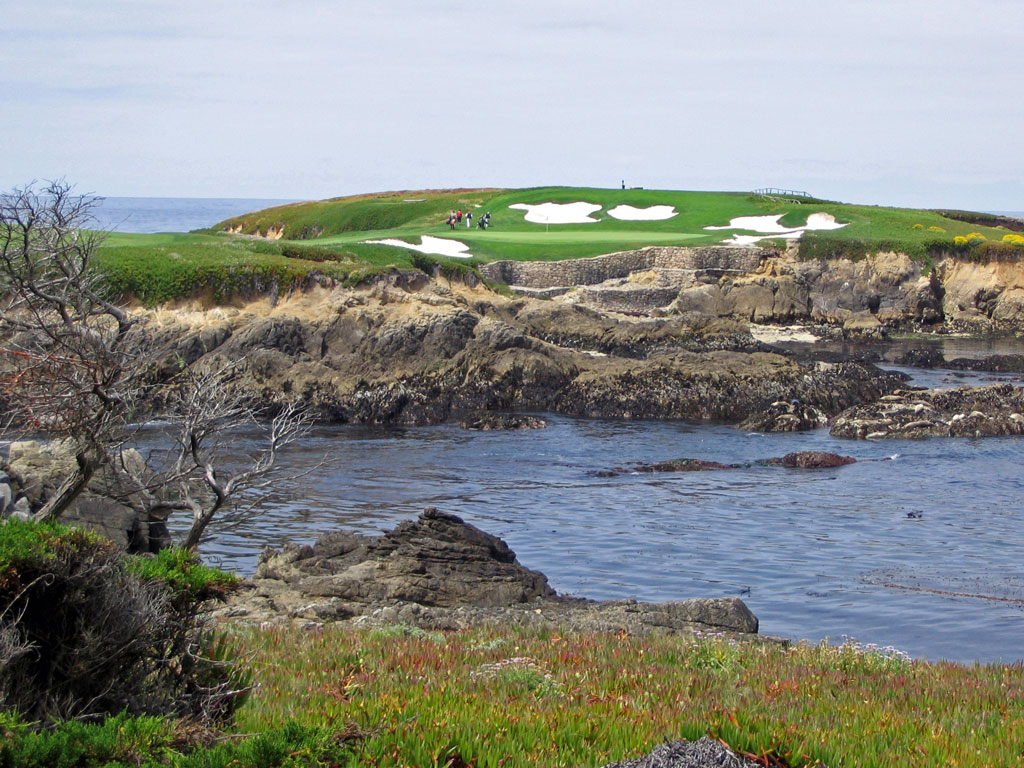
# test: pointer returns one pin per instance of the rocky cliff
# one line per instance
(886, 290)
(408, 349)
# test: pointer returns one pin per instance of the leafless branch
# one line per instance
(73, 365)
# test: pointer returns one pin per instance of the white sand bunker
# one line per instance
(439, 246)
(558, 213)
(752, 239)
(769, 226)
(651, 213)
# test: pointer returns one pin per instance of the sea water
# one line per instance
(171, 214)
(917, 545)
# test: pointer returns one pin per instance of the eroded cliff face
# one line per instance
(984, 293)
(886, 290)
(408, 349)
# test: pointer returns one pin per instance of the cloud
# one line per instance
(325, 98)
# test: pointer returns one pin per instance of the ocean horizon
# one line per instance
(147, 215)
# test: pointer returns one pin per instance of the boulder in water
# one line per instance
(812, 460)
(492, 420)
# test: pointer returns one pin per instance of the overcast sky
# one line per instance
(894, 102)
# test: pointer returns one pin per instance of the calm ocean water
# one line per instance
(918, 545)
(172, 214)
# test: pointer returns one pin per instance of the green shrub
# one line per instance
(86, 631)
(122, 740)
(181, 570)
(310, 253)
(452, 270)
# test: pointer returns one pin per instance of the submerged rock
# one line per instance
(929, 357)
(672, 465)
(812, 460)
(490, 420)
(439, 572)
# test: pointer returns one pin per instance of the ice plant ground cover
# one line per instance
(506, 697)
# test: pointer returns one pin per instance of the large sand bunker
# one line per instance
(439, 246)
(651, 213)
(558, 213)
(769, 226)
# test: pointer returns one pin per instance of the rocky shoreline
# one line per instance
(410, 350)
(440, 573)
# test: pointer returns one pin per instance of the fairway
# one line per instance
(522, 244)
(284, 244)
(351, 221)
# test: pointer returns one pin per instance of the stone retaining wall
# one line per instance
(541, 275)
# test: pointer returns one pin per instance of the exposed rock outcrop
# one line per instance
(490, 420)
(415, 351)
(782, 416)
(704, 753)
(36, 469)
(962, 412)
(437, 560)
(439, 572)
(864, 297)
(597, 269)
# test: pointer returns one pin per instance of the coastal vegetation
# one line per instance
(491, 697)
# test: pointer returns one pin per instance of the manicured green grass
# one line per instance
(515, 698)
(331, 236)
(348, 221)
(360, 213)
(168, 267)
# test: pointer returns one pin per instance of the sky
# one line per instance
(896, 102)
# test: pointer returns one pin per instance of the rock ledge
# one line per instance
(439, 572)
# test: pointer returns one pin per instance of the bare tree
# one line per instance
(204, 413)
(75, 369)
(71, 370)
